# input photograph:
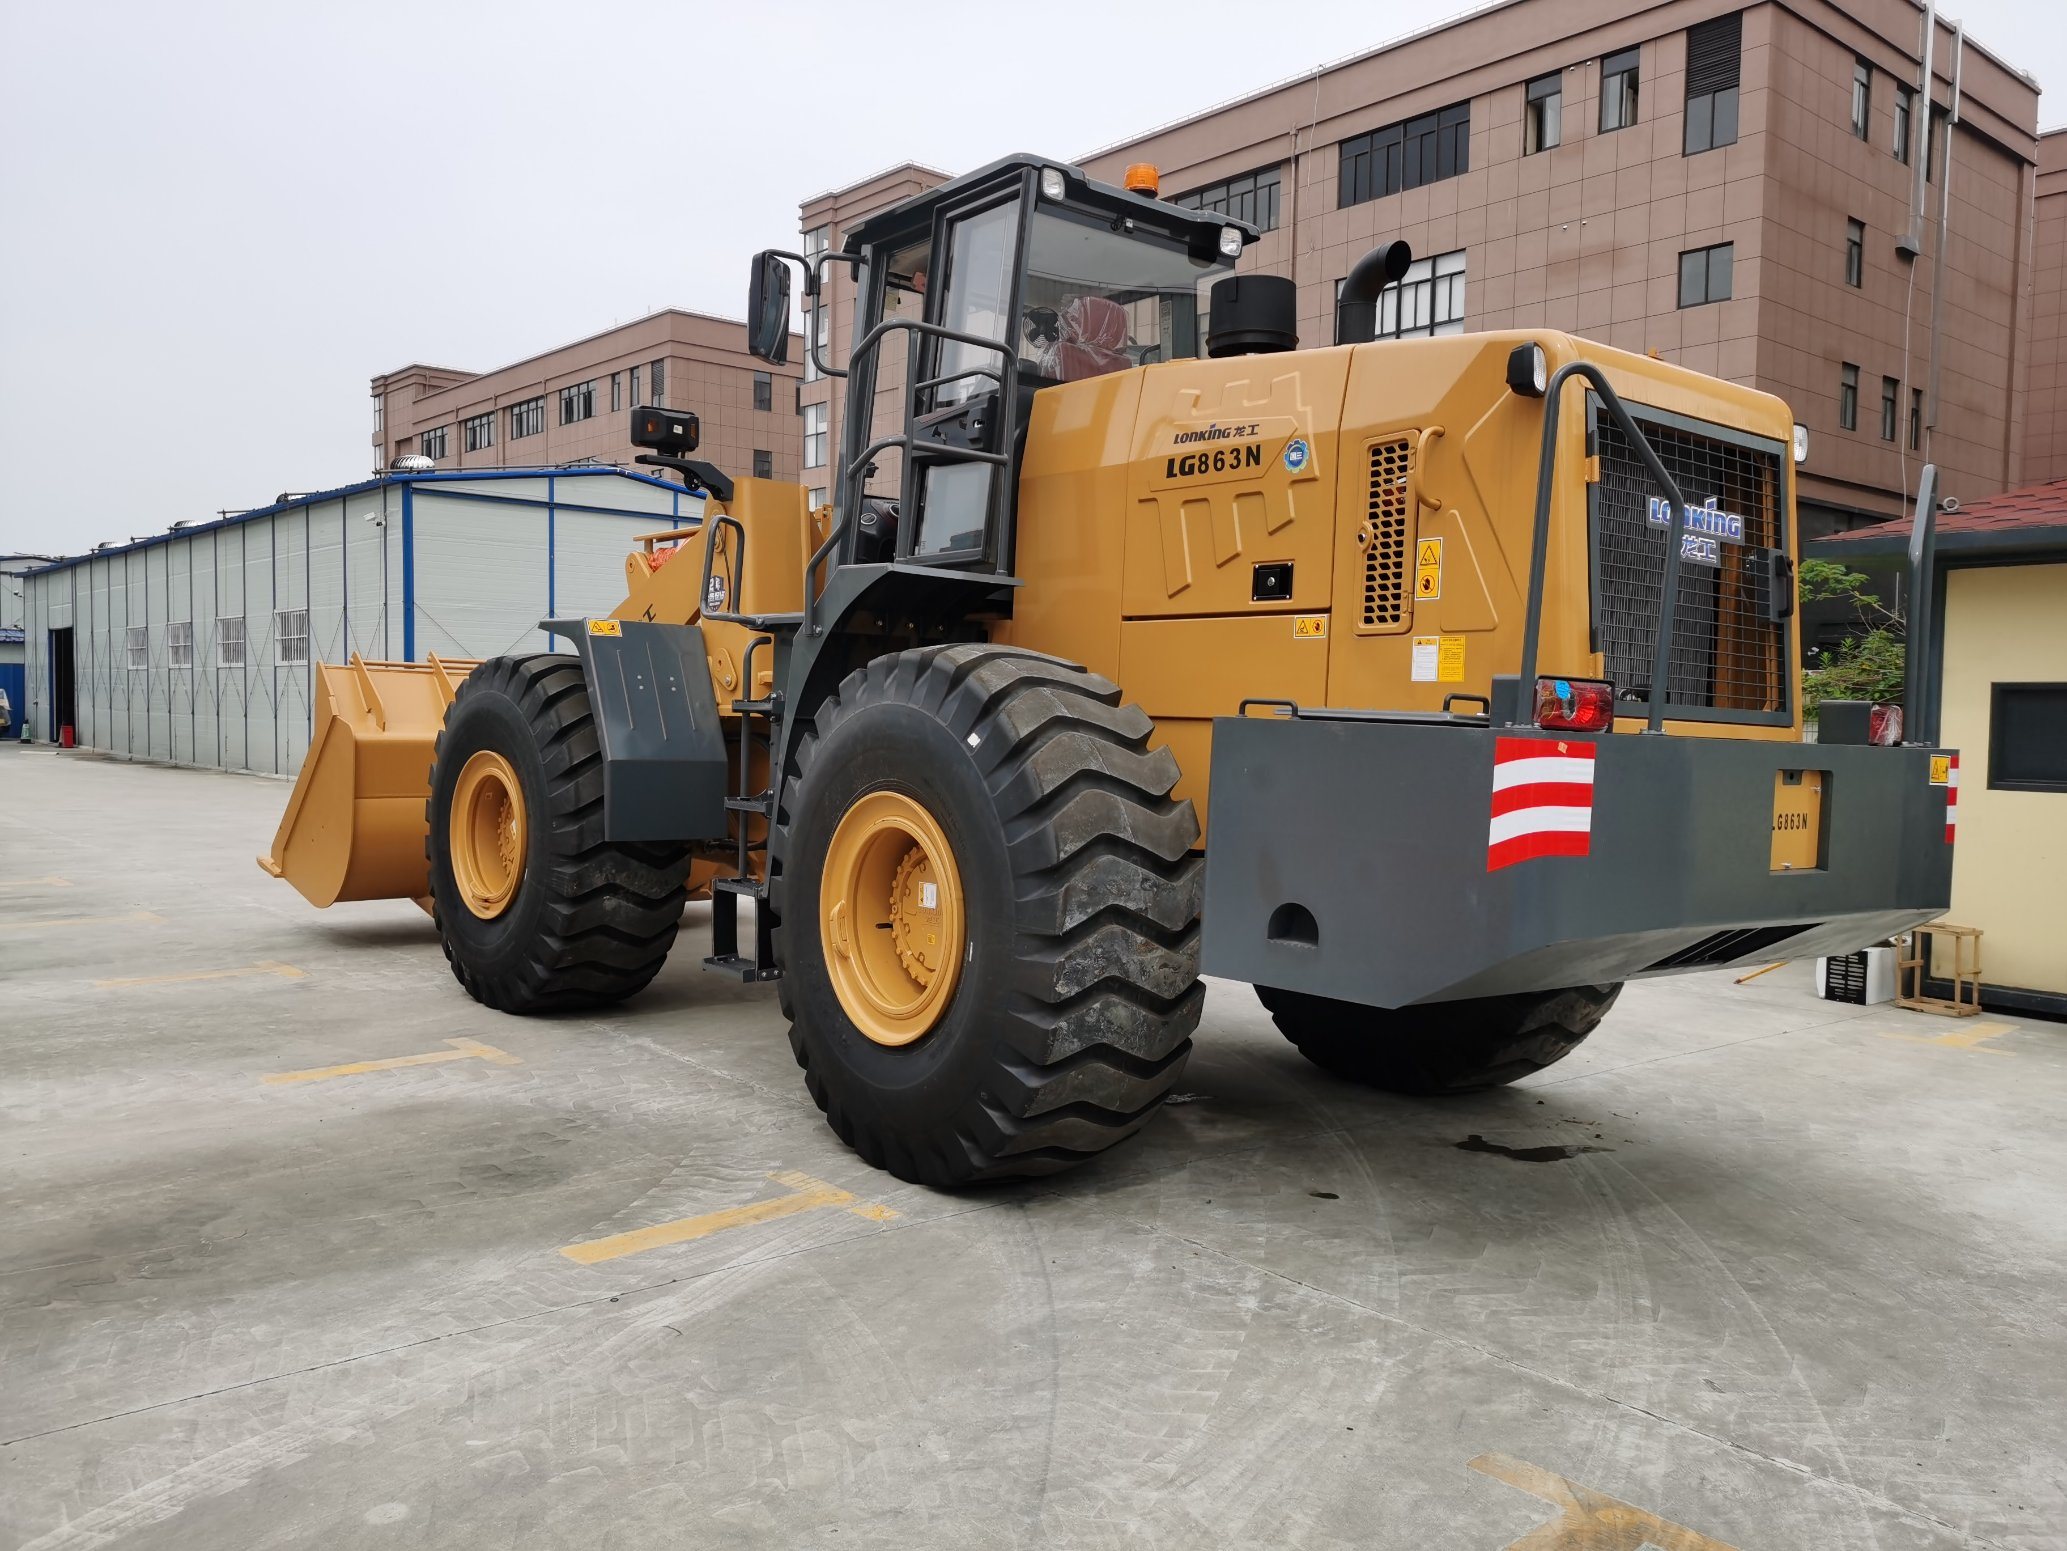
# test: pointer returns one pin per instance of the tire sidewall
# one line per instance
(485, 716)
(893, 746)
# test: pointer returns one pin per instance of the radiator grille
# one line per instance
(1726, 651)
(1390, 523)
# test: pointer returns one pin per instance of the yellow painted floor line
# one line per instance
(53, 881)
(1974, 1036)
(264, 967)
(1588, 1520)
(149, 916)
(462, 1050)
(806, 1195)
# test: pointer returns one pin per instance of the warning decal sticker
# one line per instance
(1542, 800)
(1428, 570)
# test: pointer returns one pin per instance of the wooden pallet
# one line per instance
(1914, 963)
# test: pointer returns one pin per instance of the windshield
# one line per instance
(1096, 300)
(1100, 301)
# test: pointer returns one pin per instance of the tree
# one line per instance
(1866, 666)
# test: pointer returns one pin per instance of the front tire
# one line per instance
(1440, 1047)
(1046, 1018)
(537, 912)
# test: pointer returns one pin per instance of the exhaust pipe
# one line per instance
(1356, 312)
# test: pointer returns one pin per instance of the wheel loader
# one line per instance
(1435, 686)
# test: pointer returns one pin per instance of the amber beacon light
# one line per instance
(1142, 178)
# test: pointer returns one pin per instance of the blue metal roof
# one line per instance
(376, 483)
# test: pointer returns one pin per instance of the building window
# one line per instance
(1618, 90)
(764, 463)
(2027, 738)
(1934, 138)
(1915, 419)
(636, 400)
(432, 443)
(814, 498)
(179, 643)
(229, 643)
(821, 328)
(291, 636)
(659, 371)
(1403, 156)
(1905, 109)
(1715, 52)
(1862, 98)
(527, 418)
(1848, 398)
(137, 640)
(1253, 197)
(578, 402)
(816, 241)
(1705, 274)
(1855, 253)
(1890, 397)
(1543, 111)
(814, 436)
(477, 432)
(764, 391)
(616, 392)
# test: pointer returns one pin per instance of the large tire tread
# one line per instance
(608, 910)
(1440, 1047)
(1094, 1017)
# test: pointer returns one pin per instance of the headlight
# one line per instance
(1051, 183)
(1528, 371)
(1231, 241)
(1801, 443)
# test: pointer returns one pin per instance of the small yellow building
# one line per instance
(1997, 666)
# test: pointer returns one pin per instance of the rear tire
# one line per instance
(1440, 1047)
(588, 921)
(1077, 897)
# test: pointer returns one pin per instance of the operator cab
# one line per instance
(972, 298)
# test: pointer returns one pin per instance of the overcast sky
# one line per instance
(218, 221)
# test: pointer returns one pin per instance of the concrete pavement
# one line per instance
(1789, 1278)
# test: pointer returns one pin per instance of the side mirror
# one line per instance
(767, 308)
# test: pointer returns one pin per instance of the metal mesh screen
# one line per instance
(1726, 650)
(1390, 523)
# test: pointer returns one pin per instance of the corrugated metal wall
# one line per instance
(479, 563)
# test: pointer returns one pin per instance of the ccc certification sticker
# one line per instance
(1297, 454)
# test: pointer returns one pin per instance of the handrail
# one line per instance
(1539, 543)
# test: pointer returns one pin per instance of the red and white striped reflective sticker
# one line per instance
(1542, 800)
(1951, 797)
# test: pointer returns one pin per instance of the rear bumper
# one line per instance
(1373, 839)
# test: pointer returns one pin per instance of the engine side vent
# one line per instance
(1388, 535)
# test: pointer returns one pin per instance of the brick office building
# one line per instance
(2045, 416)
(1739, 190)
(573, 403)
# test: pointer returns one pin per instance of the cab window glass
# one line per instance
(1100, 301)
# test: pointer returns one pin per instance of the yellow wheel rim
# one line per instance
(488, 834)
(891, 916)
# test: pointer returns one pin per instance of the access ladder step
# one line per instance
(762, 803)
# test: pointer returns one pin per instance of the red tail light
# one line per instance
(1574, 705)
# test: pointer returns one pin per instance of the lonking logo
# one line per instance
(1215, 433)
(1706, 518)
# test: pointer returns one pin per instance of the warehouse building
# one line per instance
(198, 646)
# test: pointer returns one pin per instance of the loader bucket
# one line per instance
(354, 828)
